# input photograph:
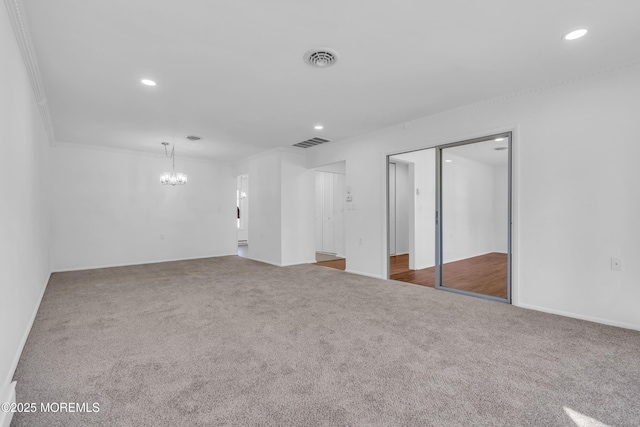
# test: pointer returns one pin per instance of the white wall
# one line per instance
(264, 205)
(282, 207)
(108, 208)
(501, 208)
(467, 208)
(575, 147)
(24, 254)
(297, 201)
(340, 167)
(339, 202)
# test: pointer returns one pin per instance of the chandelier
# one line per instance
(172, 178)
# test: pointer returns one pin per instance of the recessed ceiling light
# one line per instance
(448, 160)
(318, 127)
(499, 139)
(576, 34)
(148, 82)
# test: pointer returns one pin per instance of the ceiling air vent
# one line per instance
(311, 142)
(321, 57)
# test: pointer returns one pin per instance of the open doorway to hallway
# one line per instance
(330, 192)
(459, 217)
(242, 202)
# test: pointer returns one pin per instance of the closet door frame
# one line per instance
(439, 224)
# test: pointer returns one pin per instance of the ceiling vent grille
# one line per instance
(311, 142)
(321, 57)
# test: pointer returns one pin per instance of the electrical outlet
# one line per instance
(360, 241)
(616, 264)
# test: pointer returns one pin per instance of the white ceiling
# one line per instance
(232, 71)
(482, 152)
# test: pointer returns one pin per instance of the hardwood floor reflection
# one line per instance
(485, 274)
(338, 264)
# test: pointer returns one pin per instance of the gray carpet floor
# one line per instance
(230, 341)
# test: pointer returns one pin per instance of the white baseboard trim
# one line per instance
(8, 395)
(64, 270)
(264, 261)
(25, 335)
(581, 317)
(359, 273)
(8, 386)
(300, 263)
(282, 265)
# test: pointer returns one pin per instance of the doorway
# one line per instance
(242, 222)
(330, 194)
(465, 218)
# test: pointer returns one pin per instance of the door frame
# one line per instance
(438, 223)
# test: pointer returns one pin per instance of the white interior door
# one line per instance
(339, 195)
(319, 209)
(327, 215)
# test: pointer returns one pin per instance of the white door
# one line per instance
(319, 209)
(327, 215)
(338, 214)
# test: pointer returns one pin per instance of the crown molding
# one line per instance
(25, 44)
(131, 152)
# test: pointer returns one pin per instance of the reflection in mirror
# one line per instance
(475, 217)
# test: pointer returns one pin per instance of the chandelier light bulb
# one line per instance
(173, 177)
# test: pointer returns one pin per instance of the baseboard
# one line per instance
(264, 261)
(581, 317)
(25, 335)
(422, 267)
(8, 391)
(8, 395)
(279, 264)
(300, 263)
(359, 273)
(64, 270)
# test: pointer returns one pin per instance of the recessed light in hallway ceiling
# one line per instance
(318, 127)
(576, 34)
(148, 82)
